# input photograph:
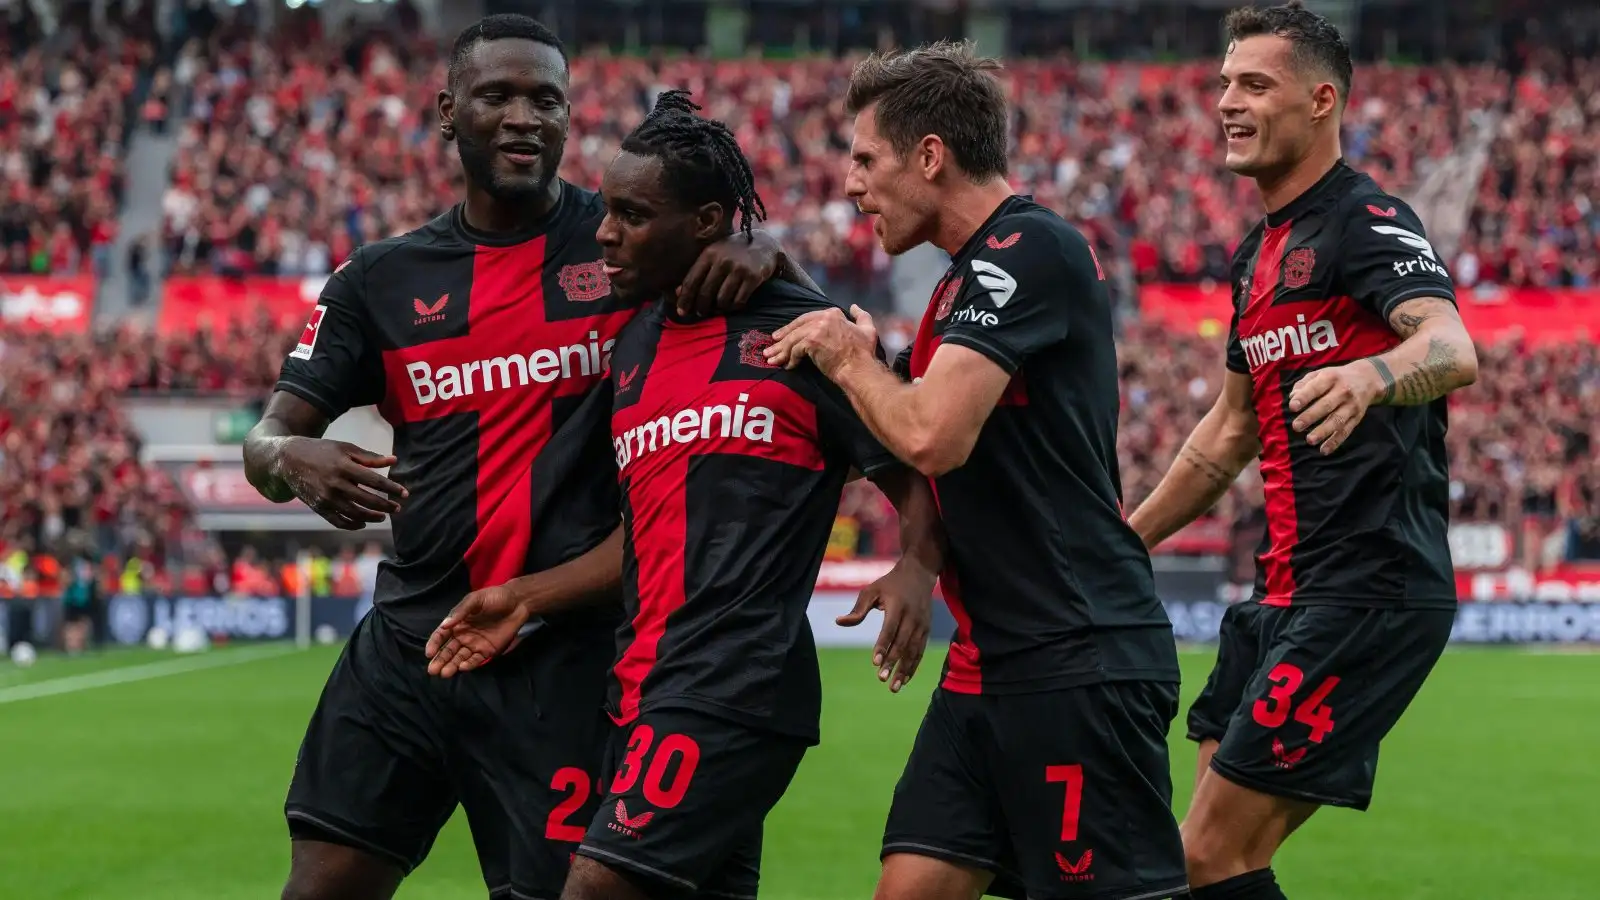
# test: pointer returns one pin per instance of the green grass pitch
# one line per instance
(170, 788)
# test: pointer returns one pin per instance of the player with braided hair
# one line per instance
(730, 472)
(710, 163)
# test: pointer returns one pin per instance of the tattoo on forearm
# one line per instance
(1387, 396)
(1431, 379)
(1406, 324)
(1219, 477)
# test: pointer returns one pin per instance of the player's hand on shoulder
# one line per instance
(905, 596)
(482, 626)
(828, 338)
(1329, 403)
(727, 273)
(340, 481)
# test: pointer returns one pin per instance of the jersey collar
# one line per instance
(458, 220)
(1008, 206)
(1303, 203)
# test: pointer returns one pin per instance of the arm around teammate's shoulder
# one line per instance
(1224, 442)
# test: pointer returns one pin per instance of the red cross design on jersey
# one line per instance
(508, 369)
(684, 413)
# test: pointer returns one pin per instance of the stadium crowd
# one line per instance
(63, 129)
(288, 161)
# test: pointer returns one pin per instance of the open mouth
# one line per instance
(611, 269)
(522, 153)
(1238, 132)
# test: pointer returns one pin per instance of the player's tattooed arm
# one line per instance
(1220, 447)
(1436, 357)
(285, 456)
(486, 622)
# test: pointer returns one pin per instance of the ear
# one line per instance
(447, 113)
(1324, 101)
(930, 156)
(712, 223)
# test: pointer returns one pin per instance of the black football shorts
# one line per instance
(686, 797)
(1301, 696)
(390, 751)
(1061, 794)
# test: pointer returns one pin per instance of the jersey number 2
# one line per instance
(557, 828)
(1273, 711)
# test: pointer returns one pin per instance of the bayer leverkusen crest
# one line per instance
(1297, 267)
(584, 282)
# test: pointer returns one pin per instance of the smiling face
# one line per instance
(648, 238)
(892, 189)
(1271, 110)
(509, 108)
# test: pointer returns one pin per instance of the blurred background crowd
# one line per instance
(293, 142)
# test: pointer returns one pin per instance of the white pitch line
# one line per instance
(130, 674)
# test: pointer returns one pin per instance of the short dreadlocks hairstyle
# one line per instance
(1318, 45)
(701, 160)
(499, 27)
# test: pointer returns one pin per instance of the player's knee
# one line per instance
(1208, 860)
(323, 871)
(320, 887)
(592, 880)
(908, 876)
(1211, 849)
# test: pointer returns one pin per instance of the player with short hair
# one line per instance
(1345, 341)
(479, 336)
(1041, 767)
(731, 471)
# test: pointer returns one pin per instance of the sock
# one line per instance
(1257, 885)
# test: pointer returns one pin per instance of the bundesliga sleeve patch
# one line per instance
(308, 337)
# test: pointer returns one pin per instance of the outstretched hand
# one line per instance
(905, 595)
(482, 626)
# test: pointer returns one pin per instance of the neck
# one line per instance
(1278, 191)
(964, 210)
(487, 214)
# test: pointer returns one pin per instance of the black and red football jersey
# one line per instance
(1048, 585)
(479, 350)
(731, 472)
(1313, 286)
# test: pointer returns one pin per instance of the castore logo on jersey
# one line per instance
(752, 423)
(1076, 871)
(427, 313)
(541, 366)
